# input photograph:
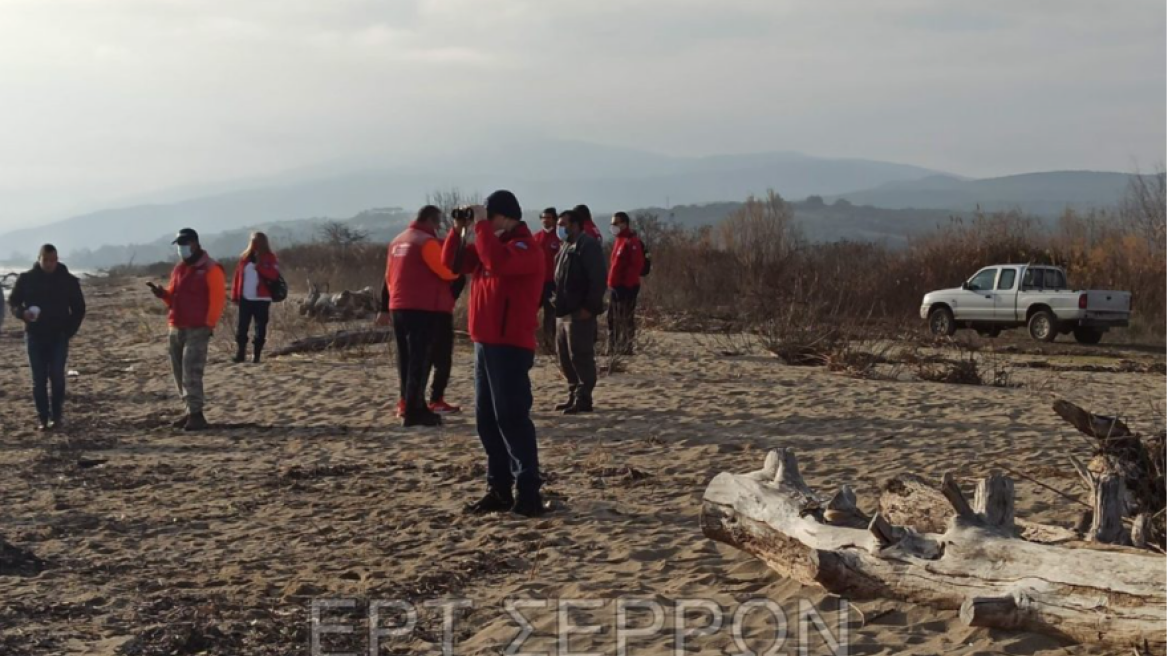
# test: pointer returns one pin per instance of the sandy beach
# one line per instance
(162, 542)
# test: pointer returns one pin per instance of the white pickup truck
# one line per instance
(1013, 295)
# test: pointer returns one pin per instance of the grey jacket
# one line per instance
(581, 278)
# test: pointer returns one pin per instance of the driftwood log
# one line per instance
(1124, 479)
(975, 564)
(343, 306)
(338, 340)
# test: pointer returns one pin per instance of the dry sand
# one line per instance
(164, 542)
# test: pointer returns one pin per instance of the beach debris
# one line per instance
(341, 306)
(339, 340)
(1124, 478)
(973, 557)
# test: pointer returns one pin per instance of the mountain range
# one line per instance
(563, 173)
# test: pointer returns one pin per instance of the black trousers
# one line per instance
(414, 331)
(249, 310)
(442, 355)
(622, 320)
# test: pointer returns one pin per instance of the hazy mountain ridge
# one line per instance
(1044, 193)
(562, 173)
(540, 172)
(819, 222)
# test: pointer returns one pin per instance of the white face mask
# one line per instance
(184, 251)
(615, 229)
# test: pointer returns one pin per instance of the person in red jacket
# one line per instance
(249, 290)
(548, 241)
(195, 297)
(507, 281)
(418, 298)
(624, 281)
(590, 228)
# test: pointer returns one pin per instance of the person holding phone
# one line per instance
(507, 281)
(48, 299)
(196, 296)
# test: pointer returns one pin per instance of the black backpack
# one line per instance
(278, 288)
(647, 263)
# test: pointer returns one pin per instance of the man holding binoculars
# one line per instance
(507, 270)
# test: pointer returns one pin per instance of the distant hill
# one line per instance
(893, 201)
(380, 225)
(540, 172)
(1044, 194)
(818, 221)
(824, 222)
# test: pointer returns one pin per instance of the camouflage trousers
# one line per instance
(188, 359)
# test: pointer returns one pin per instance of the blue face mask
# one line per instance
(562, 233)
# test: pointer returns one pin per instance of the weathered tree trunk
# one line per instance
(1086, 595)
(338, 340)
(1138, 462)
(1109, 509)
(909, 500)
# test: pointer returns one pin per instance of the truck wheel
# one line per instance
(1042, 326)
(941, 322)
(1088, 335)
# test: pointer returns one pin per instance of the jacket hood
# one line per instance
(36, 270)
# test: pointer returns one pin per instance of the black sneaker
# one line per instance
(532, 507)
(196, 422)
(43, 425)
(426, 418)
(493, 502)
(56, 424)
(578, 409)
(181, 422)
(570, 403)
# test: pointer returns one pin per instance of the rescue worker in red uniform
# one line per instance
(549, 244)
(418, 297)
(507, 282)
(624, 281)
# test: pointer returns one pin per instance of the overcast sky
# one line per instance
(109, 99)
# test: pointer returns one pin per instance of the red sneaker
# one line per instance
(441, 407)
(401, 408)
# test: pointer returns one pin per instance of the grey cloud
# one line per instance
(122, 97)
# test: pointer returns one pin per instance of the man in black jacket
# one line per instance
(578, 300)
(48, 299)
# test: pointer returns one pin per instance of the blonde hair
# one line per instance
(260, 241)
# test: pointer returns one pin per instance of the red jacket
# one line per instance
(548, 242)
(506, 286)
(410, 277)
(267, 267)
(628, 258)
(591, 230)
(196, 294)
